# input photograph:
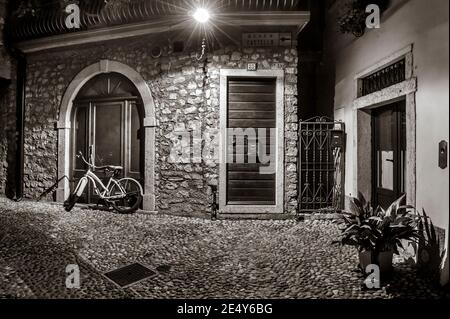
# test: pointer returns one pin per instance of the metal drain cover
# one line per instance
(129, 274)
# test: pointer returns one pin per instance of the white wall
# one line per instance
(425, 24)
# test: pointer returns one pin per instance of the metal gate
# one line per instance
(321, 163)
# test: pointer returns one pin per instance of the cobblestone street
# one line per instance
(193, 258)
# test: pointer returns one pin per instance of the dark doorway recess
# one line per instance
(108, 115)
(389, 153)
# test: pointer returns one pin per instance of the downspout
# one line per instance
(20, 121)
(21, 69)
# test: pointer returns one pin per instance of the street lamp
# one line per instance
(201, 15)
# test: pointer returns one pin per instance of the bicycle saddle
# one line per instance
(110, 168)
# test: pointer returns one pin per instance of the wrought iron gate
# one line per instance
(321, 164)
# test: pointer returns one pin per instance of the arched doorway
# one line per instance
(107, 114)
(64, 126)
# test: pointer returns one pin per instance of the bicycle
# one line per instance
(124, 195)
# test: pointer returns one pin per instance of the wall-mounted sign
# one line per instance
(266, 39)
(252, 66)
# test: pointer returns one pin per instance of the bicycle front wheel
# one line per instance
(129, 195)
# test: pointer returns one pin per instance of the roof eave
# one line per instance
(294, 19)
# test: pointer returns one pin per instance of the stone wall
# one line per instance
(186, 93)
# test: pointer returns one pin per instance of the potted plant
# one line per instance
(352, 19)
(429, 252)
(379, 233)
(25, 9)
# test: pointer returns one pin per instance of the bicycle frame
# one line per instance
(104, 192)
(95, 180)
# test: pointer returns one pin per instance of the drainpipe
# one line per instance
(20, 119)
(21, 69)
(20, 122)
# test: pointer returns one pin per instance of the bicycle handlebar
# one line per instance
(80, 155)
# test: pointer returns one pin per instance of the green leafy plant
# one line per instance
(359, 230)
(26, 9)
(379, 230)
(429, 253)
(353, 18)
(116, 5)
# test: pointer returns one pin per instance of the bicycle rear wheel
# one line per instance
(132, 198)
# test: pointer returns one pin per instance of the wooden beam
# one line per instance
(295, 19)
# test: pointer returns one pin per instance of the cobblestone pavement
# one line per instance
(193, 258)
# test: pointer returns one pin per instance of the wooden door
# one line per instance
(107, 140)
(389, 149)
(81, 139)
(251, 105)
(113, 128)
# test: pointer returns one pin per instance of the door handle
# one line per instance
(389, 160)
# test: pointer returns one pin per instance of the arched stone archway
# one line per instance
(64, 125)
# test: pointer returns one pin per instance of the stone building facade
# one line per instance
(185, 93)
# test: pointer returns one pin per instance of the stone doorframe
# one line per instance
(64, 126)
(362, 179)
(278, 75)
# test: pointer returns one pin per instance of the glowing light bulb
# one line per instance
(201, 15)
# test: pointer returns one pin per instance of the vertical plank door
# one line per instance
(251, 105)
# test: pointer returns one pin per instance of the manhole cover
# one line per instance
(129, 274)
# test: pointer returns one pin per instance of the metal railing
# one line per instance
(390, 75)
